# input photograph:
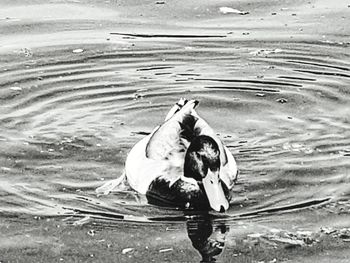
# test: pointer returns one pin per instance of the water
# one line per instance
(74, 103)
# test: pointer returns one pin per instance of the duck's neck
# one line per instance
(191, 167)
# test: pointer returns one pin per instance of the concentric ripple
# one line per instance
(68, 120)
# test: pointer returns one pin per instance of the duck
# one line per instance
(182, 163)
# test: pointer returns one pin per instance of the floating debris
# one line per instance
(166, 250)
(260, 94)
(16, 88)
(82, 221)
(297, 147)
(78, 50)
(170, 229)
(343, 234)
(27, 52)
(138, 96)
(282, 100)
(127, 250)
(304, 233)
(287, 239)
(228, 10)
(255, 235)
(264, 52)
(91, 232)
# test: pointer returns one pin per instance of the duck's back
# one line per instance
(162, 153)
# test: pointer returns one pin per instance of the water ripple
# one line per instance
(280, 107)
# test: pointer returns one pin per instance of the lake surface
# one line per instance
(82, 81)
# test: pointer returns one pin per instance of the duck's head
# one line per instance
(202, 163)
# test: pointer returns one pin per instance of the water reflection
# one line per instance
(207, 237)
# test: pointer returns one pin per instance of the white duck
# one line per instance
(182, 163)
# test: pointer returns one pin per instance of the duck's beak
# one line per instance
(214, 191)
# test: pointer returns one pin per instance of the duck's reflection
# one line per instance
(207, 237)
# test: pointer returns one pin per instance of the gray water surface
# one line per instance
(70, 112)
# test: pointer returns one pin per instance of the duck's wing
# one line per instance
(141, 170)
(162, 153)
(171, 140)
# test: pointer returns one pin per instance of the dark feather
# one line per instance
(188, 130)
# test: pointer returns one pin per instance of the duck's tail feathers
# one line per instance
(183, 105)
(187, 109)
(177, 106)
(112, 186)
